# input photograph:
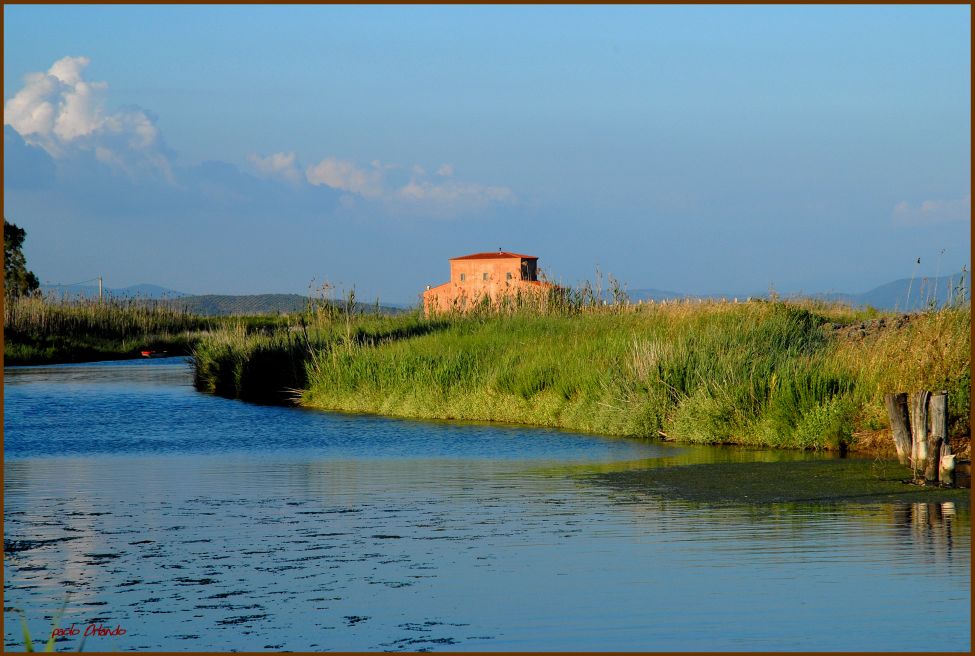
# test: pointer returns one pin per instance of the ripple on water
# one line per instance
(201, 523)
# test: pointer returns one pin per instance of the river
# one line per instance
(193, 522)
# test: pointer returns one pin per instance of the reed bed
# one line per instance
(38, 315)
(268, 363)
(795, 374)
(41, 329)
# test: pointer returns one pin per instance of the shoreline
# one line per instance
(878, 444)
(850, 476)
(798, 375)
(105, 356)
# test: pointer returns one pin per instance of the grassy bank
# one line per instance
(772, 374)
(271, 364)
(46, 330)
(43, 331)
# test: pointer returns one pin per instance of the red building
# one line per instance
(492, 275)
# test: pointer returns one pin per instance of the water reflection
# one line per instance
(359, 543)
(931, 527)
(150, 407)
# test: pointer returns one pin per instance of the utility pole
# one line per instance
(99, 289)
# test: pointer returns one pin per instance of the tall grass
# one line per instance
(267, 363)
(698, 374)
(930, 352)
(788, 374)
(41, 329)
(38, 315)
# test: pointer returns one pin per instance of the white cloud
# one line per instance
(30, 111)
(933, 211)
(346, 176)
(63, 113)
(68, 116)
(68, 69)
(442, 198)
(277, 165)
(455, 195)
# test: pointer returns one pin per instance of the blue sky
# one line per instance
(697, 149)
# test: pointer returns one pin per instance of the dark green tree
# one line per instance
(17, 280)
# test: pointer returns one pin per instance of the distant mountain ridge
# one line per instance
(909, 294)
(225, 304)
(142, 290)
(905, 295)
(204, 304)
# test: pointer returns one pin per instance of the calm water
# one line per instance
(199, 523)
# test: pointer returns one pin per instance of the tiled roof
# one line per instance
(494, 256)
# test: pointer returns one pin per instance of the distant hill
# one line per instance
(904, 295)
(658, 295)
(143, 290)
(907, 294)
(204, 304)
(223, 304)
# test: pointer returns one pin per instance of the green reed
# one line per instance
(785, 374)
(41, 329)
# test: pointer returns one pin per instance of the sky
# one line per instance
(707, 149)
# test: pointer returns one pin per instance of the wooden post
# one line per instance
(937, 433)
(918, 405)
(900, 425)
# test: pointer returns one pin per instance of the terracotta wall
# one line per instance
(451, 296)
(473, 279)
(484, 274)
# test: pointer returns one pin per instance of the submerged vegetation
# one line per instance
(828, 481)
(785, 374)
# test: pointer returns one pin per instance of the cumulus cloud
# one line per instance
(441, 197)
(346, 176)
(281, 166)
(30, 112)
(64, 122)
(455, 194)
(65, 114)
(933, 211)
(446, 197)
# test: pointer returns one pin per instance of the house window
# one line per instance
(509, 276)
(463, 277)
(485, 276)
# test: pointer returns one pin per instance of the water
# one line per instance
(199, 523)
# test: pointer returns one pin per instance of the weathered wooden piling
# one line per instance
(937, 433)
(919, 425)
(918, 406)
(900, 424)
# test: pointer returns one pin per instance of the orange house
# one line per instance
(491, 275)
